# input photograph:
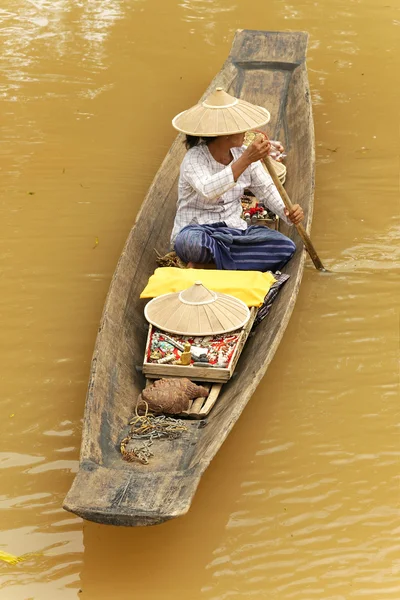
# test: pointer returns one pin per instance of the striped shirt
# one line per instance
(208, 193)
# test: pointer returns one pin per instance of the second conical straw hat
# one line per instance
(220, 114)
(197, 311)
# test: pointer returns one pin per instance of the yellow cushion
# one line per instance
(249, 286)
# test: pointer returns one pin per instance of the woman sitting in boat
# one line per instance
(214, 174)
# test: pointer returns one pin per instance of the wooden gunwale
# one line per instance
(266, 68)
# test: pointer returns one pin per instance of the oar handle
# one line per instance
(288, 204)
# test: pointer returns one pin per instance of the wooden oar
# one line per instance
(300, 228)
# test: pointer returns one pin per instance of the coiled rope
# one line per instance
(149, 427)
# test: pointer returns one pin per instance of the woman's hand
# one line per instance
(296, 215)
(257, 150)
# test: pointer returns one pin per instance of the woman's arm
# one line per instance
(256, 151)
(196, 171)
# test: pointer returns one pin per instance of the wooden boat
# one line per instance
(268, 69)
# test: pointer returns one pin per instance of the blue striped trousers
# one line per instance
(256, 248)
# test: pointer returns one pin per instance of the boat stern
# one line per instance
(130, 498)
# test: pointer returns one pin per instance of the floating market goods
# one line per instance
(186, 356)
(171, 396)
(198, 352)
(206, 348)
(171, 341)
(166, 359)
(221, 351)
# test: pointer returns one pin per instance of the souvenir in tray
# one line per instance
(212, 350)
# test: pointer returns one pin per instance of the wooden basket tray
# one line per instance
(216, 374)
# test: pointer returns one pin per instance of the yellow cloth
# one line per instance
(249, 286)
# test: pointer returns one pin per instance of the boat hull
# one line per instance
(268, 69)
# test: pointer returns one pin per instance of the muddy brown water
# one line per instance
(302, 501)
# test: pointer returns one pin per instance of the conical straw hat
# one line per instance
(220, 114)
(197, 311)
